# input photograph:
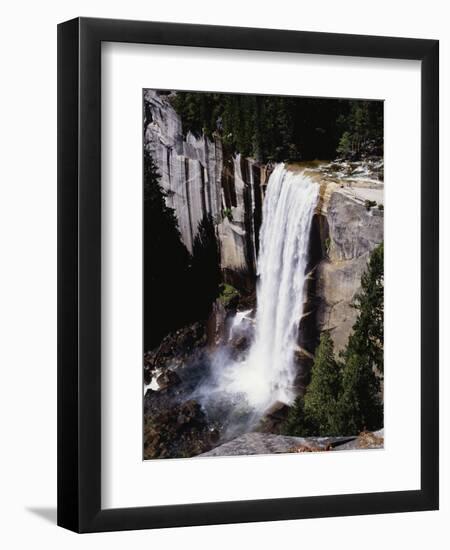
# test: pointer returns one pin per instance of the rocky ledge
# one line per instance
(256, 443)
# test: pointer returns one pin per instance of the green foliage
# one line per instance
(368, 331)
(295, 423)
(315, 413)
(362, 128)
(227, 213)
(344, 399)
(257, 126)
(227, 294)
(321, 397)
(360, 404)
(359, 407)
(345, 144)
(281, 128)
(380, 206)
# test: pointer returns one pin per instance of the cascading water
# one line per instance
(268, 373)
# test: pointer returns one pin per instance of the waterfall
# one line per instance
(240, 389)
(284, 244)
(268, 373)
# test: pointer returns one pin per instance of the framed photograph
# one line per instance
(248, 275)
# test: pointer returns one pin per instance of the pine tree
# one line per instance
(368, 331)
(296, 423)
(323, 391)
(360, 405)
(361, 124)
(345, 144)
(279, 128)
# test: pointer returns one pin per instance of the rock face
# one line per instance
(353, 232)
(200, 178)
(189, 167)
(256, 443)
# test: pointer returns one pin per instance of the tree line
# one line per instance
(283, 128)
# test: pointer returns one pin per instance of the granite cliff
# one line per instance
(201, 177)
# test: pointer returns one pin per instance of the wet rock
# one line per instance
(216, 325)
(189, 411)
(274, 417)
(176, 349)
(248, 301)
(239, 347)
(167, 378)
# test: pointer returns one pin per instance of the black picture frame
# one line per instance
(79, 274)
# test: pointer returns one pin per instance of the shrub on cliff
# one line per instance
(228, 295)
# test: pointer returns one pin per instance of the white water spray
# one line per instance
(268, 374)
(237, 322)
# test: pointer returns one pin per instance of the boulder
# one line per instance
(167, 378)
(274, 417)
(176, 349)
(256, 443)
(365, 440)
